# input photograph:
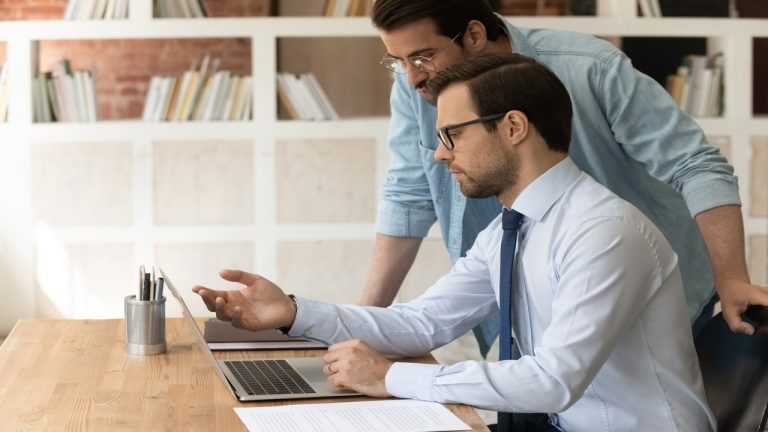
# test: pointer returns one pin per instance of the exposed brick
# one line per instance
(32, 9)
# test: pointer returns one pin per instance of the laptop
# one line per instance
(259, 379)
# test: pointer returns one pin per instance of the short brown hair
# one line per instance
(502, 82)
(450, 16)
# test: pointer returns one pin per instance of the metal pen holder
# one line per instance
(144, 326)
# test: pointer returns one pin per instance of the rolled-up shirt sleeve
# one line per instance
(675, 151)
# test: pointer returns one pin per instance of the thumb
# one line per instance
(239, 276)
(735, 322)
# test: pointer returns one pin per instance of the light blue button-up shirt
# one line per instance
(600, 319)
(627, 133)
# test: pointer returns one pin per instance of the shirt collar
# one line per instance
(539, 196)
(516, 38)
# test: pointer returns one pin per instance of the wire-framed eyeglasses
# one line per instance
(420, 62)
(444, 133)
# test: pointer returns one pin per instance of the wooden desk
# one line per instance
(75, 375)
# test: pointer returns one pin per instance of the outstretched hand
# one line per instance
(259, 305)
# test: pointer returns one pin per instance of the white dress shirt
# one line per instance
(599, 316)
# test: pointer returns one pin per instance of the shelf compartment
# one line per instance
(123, 68)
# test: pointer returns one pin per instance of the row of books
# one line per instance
(697, 87)
(303, 97)
(179, 9)
(64, 95)
(341, 8)
(96, 9)
(206, 94)
(3, 93)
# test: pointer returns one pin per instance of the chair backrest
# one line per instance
(735, 371)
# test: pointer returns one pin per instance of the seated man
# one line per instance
(593, 295)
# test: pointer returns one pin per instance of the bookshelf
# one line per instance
(223, 203)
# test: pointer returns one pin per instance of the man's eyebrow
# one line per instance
(415, 53)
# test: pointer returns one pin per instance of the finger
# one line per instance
(223, 311)
(208, 296)
(331, 357)
(237, 318)
(339, 346)
(732, 317)
(239, 276)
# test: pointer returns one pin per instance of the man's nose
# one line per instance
(415, 75)
(442, 154)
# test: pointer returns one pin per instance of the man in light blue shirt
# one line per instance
(598, 308)
(628, 134)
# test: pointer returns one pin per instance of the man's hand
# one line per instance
(735, 297)
(259, 305)
(356, 366)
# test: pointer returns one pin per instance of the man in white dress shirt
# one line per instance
(598, 308)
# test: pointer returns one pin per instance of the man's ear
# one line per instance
(474, 38)
(515, 126)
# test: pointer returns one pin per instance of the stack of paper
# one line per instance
(375, 416)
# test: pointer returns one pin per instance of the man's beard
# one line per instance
(427, 96)
(494, 181)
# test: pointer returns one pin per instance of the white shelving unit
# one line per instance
(17, 230)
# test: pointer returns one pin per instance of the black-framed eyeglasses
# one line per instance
(422, 63)
(444, 133)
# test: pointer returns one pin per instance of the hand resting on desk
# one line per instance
(261, 305)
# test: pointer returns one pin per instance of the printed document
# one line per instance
(392, 415)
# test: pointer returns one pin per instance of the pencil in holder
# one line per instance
(144, 326)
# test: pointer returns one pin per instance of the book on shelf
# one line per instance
(64, 95)
(697, 86)
(304, 98)
(348, 8)
(3, 93)
(204, 94)
(179, 8)
(650, 8)
(96, 9)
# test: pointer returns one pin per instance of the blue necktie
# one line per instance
(510, 223)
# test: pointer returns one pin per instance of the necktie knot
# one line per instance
(511, 220)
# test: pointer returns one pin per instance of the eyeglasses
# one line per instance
(422, 63)
(444, 135)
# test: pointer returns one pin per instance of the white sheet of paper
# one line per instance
(392, 415)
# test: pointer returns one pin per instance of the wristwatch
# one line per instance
(285, 330)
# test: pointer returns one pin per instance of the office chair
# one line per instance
(735, 371)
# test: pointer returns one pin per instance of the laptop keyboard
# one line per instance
(268, 377)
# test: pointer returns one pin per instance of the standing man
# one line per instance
(588, 286)
(627, 133)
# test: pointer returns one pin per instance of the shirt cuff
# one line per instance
(398, 221)
(411, 380)
(705, 194)
(314, 320)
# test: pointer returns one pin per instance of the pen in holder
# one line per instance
(144, 326)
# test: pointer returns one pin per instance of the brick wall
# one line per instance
(54, 9)
(123, 68)
(31, 9)
(530, 7)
